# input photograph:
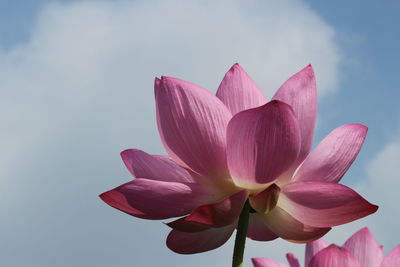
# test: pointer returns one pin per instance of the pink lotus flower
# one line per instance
(360, 250)
(226, 148)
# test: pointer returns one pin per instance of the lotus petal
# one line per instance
(192, 124)
(197, 242)
(143, 165)
(334, 256)
(323, 204)
(287, 227)
(263, 262)
(392, 259)
(238, 91)
(364, 247)
(262, 143)
(150, 199)
(313, 248)
(219, 214)
(292, 259)
(300, 92)
(330, 160)
(258, 230)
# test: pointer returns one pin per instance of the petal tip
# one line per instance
(107, 196)
(369, 209)
(374, 208)
(365, 230)
(309, 68)
(167, 79)
(124, 153)
(276, 102)
(360, 126)
(307, 72)
(235, 68)
(280, 104)
(170, 79)
(157, 82)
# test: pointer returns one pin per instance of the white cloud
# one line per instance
(80, 90)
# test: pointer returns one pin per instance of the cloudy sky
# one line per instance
(76, 88)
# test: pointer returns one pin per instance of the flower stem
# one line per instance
(241, 233)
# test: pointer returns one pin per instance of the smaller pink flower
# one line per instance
(360, 250)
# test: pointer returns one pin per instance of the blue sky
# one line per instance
(76, 89)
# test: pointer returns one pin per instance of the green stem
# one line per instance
(241, 233)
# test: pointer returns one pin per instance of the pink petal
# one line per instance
(263, 262)
(238, 91)
(192, 124)
(363, 246)
(258, 230)
(266, 200)
(292, 259)
(330, 160)
(187, 226)
(313, 248)
(143, 165)
(190, 243)
(219, 214)
(392, 259)
(300, 92)
(287, 227)
(262, 143)
(334, 256)
(323, 204)
(150, 199)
